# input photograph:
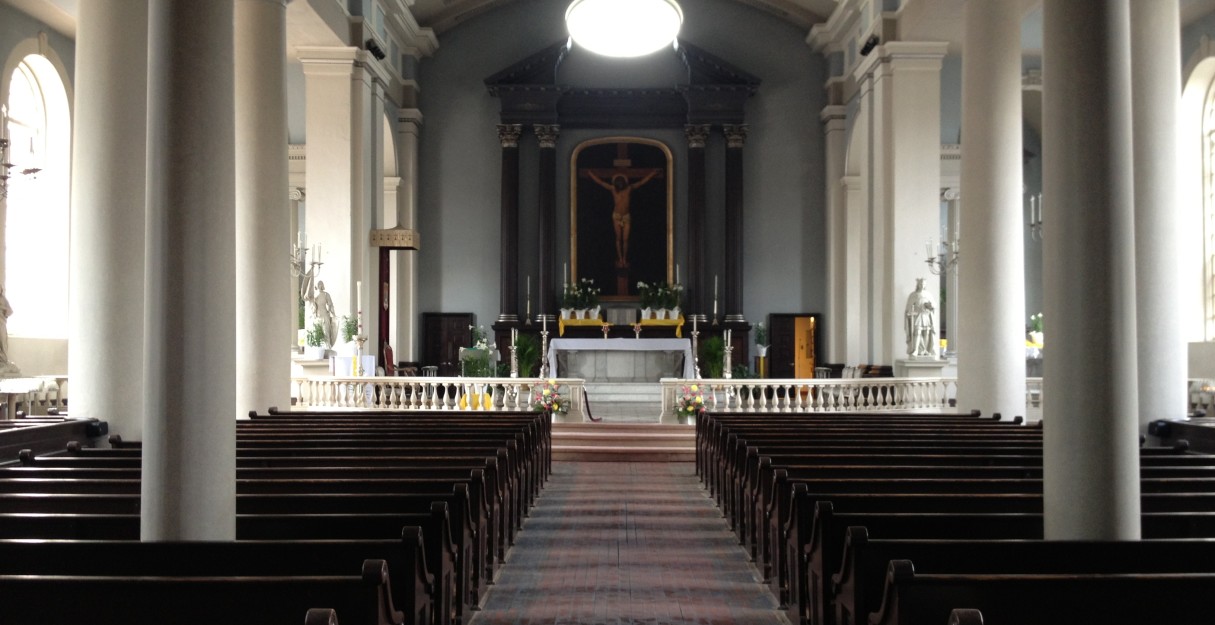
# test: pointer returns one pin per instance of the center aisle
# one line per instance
(622, 543)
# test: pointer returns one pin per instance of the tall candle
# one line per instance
(358, 297)
(544, 323)
(676, 273)
(694, 317)
(565, 274)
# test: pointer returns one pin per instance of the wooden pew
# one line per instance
(238, 600)
(1045, 599)
(823, 555)
(411, 592)
(858, 586)
(440, 550)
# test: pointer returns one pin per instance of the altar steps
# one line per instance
(623, 442)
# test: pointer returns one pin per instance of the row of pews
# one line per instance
(905, 519)
(375, 519)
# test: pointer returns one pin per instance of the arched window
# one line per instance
(36, 225)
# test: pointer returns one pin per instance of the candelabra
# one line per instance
(945, 258)
(727, 356)
(695, 348)
(544, 372)
(1035, 217)
(6, 167)
(514, 356)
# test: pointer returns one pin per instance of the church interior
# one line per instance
(746, 326)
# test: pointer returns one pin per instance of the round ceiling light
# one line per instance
(623, 28)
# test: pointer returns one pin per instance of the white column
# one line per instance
(833, 118)
(991, 362)
(263, 235)
(1091, 454)
(106, 290)
(906, 179)
(189, 451)
(1156, 75)
(333, 155)
(857, 346)
(952, 282)
(409, 125)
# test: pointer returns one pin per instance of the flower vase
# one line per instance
(660, 313)
(645, 313)
(674, 313)
(593, 313)
(567, 313)
(580, 313)
(761, 350)
(1036, 338)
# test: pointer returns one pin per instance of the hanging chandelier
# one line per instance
(623, 28)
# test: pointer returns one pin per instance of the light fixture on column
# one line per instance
(1035, 217)
(6, 167)
(623, 28)
(945, 258)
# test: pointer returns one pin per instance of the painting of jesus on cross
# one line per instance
(621, 214)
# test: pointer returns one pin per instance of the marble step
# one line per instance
(600, 392)
(623, 442)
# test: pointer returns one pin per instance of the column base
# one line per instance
(919, 367)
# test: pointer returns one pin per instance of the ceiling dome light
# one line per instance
(623, 28)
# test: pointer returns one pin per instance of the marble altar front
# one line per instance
(621, 360)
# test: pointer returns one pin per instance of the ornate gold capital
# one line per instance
(697, 134)
(508, 134)
(547, 134)
(736, 135)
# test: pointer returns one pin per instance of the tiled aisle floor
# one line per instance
(623, 543)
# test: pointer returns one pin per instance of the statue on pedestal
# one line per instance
(920, 323)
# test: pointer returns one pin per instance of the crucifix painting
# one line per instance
(621, 214)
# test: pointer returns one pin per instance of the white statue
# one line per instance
(323, 311)
(920, 323)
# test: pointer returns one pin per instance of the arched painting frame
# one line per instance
(596, 226)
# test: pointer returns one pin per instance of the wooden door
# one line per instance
(803, 354)
(443, 336)
(794, 339)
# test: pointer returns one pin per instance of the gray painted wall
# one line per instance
(460, 157)
(16, 27)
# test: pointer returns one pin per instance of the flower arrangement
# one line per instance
(478, 337)
(548, 399)
(580, 294)
(660, 295)
(691, 401)
(1035, 323)
(761, 334)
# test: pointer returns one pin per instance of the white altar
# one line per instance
(621, 360)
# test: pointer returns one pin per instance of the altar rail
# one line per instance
(816, 395)
(428, 393)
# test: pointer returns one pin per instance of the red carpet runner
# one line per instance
(624, 543)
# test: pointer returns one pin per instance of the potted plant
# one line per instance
(646, 293)
(527, 352)
(674, 298)
(589, 299)
(315, 341)
(712, 356)
(761, 340)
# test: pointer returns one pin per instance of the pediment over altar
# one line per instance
(714, 92)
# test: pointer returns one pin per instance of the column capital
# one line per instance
(736, 135)
(508, 134)
(697, 134)
(951, 194)
(295, 194)
(834, 117)
(547, 134)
